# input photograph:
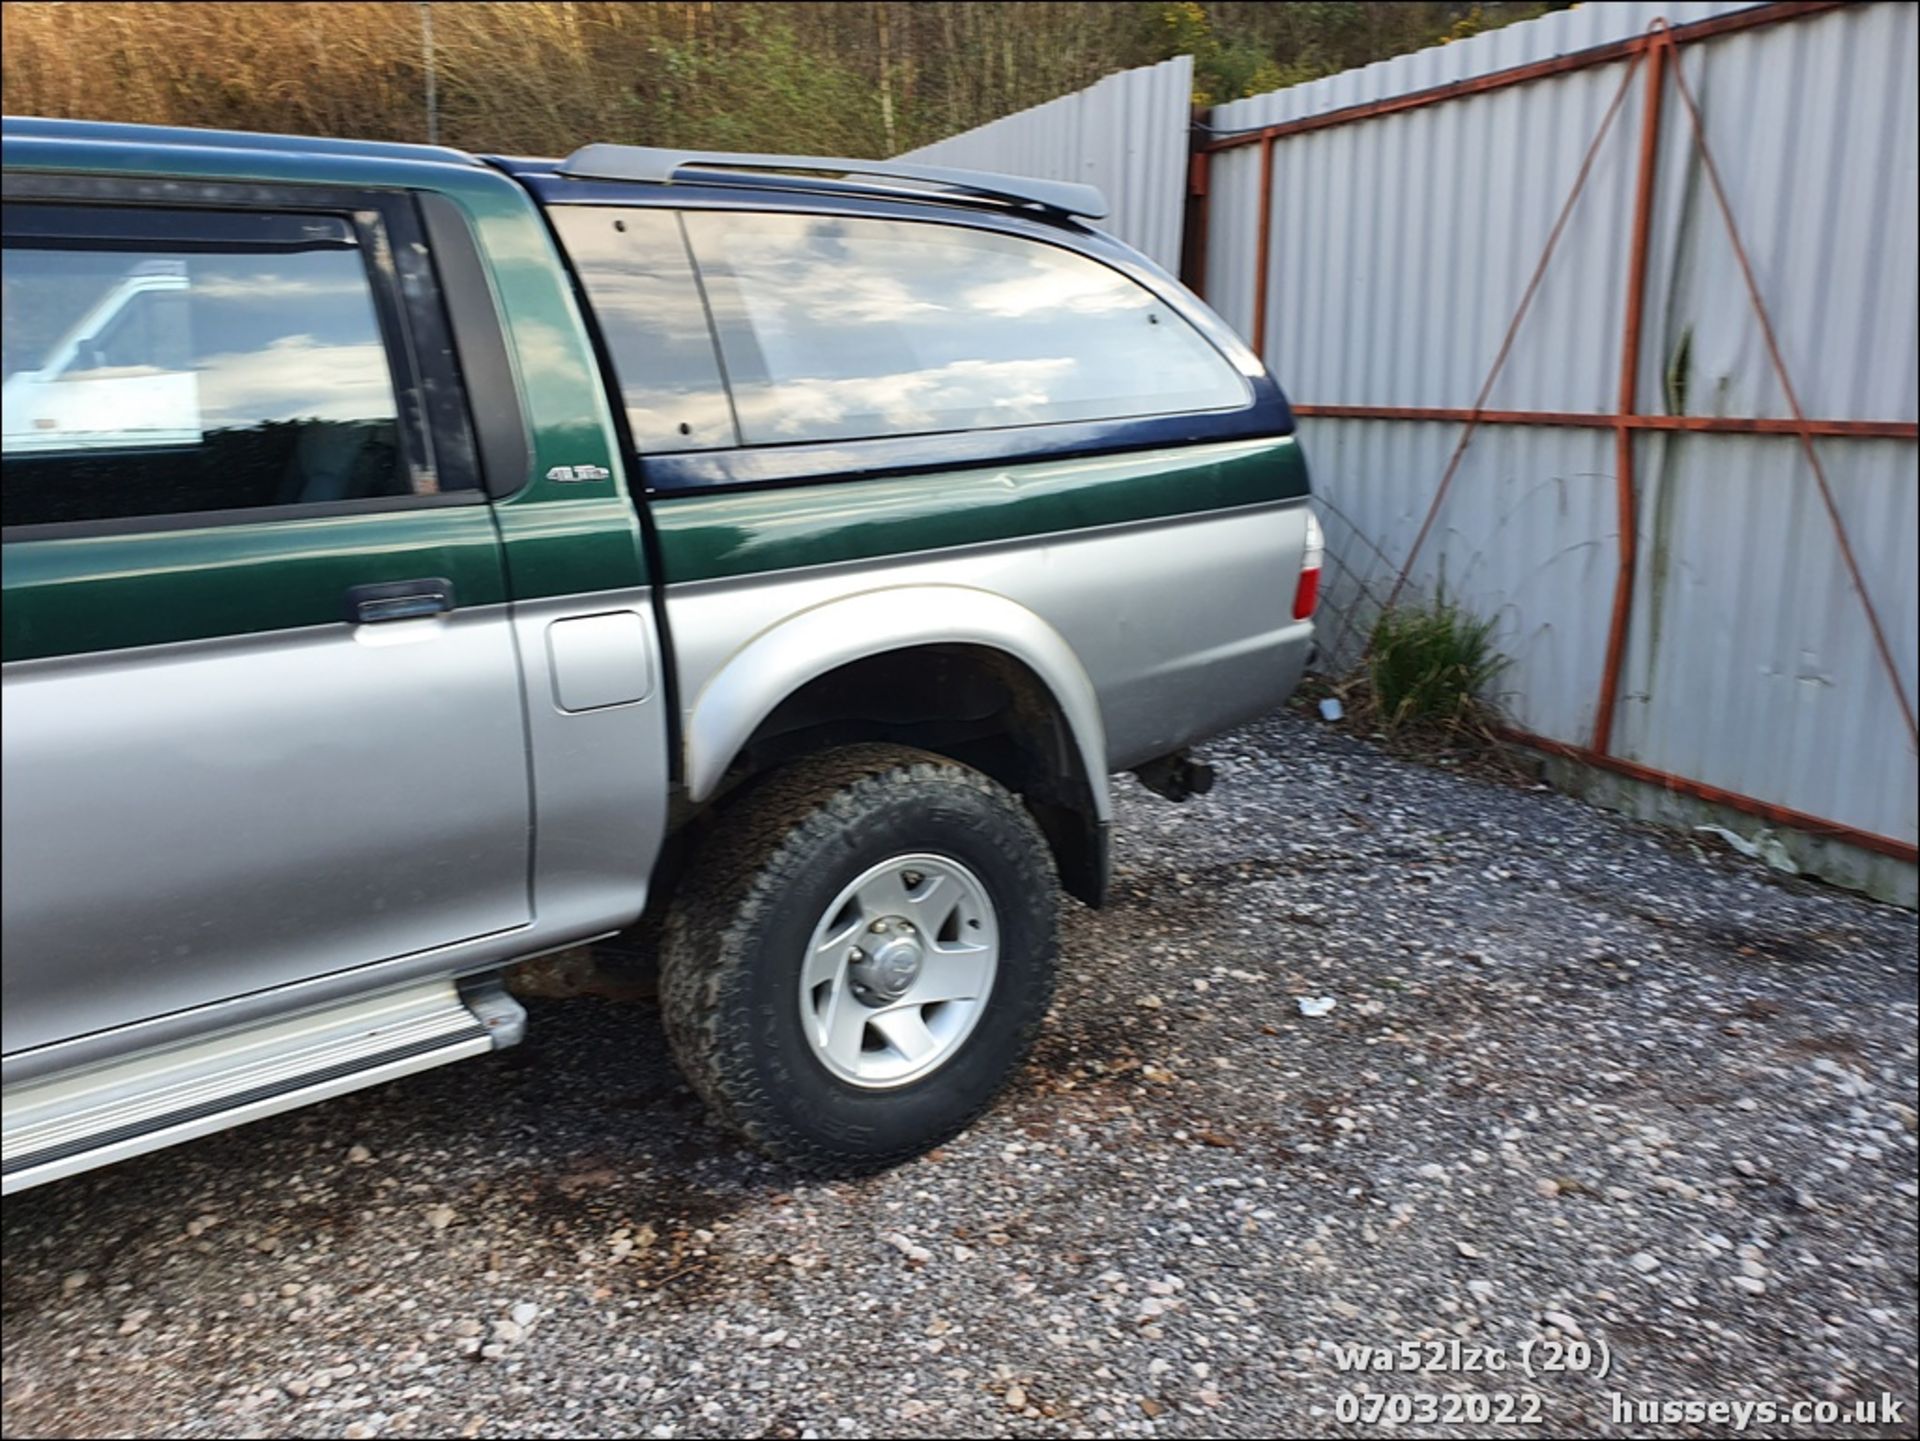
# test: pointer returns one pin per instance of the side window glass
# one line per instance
(633, 264)
(834, 328)
(171, 362)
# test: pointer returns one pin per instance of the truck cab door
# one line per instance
(264, 718)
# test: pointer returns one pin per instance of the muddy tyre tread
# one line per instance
(751, 857)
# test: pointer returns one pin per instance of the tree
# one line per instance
(867, 78)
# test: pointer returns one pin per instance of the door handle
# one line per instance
(399, 600)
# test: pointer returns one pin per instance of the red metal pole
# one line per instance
(1263, 249)
(1628, 543)
(1193, 240)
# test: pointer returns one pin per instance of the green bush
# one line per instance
(1430, 666)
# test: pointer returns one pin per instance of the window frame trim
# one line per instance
(1264, 413)
(432, 425)
(482, 373)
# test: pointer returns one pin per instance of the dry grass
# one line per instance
(1423, 688)
(866, 77)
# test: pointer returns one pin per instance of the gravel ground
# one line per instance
(1580, 1081)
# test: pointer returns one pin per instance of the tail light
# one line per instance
(1306, 594)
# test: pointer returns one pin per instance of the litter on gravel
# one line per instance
(1585, 1082)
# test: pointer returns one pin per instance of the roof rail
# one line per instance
(642, 162)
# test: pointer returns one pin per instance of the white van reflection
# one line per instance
(101, 386)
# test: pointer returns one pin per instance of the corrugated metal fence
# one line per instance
(1410, 205)
(1127, 134)
(1715, 646)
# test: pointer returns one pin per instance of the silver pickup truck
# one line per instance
(418, 562)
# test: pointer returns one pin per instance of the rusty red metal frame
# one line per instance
(1655, 46)
(1628, 544)
(1887, 661)
(1193, 241)
(1733, 800)
(1506, 345)
(1727, 24)
(1263, 247)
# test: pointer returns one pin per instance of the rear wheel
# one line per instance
(861, 957)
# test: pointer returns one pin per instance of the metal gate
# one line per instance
(1605, 324)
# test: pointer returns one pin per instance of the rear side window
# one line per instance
(165, 362)
(635, 268)
(835, 329)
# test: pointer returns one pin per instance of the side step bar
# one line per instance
(89, 1118)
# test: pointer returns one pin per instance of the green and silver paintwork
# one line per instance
(423, 815)
(78, 594)
(1147, 591)
(710, 537)
(559, 538)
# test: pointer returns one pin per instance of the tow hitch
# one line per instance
(1176, 776)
